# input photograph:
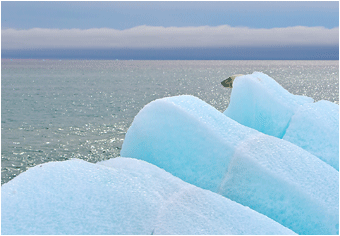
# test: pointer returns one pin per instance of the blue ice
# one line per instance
(120, 196)
(315, 128)
(193, 141)
(259, 102)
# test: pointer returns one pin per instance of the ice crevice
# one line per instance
(285, 128)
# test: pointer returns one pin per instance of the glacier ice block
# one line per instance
(187, 137)
(192, 140)
(286, 183)
(315, 128)
(259, 102)
(120, 196)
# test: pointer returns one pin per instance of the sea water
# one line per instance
(54, 110)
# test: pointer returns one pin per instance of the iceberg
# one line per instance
(193, 141)
(267, 165)
(259, 102)
(120, 196)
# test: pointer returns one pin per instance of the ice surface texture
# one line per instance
(195, 142)
(259, 102)
(315, 128)
(120, 196)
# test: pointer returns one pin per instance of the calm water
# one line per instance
(56, 110)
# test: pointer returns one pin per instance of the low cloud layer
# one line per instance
(168, 37)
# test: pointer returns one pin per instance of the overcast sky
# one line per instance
(166, 25)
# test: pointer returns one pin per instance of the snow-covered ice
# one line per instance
(192, 140)
(120, 196)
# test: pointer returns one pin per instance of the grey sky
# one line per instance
(168, 25)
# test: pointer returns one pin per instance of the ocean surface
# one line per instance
(53, 110)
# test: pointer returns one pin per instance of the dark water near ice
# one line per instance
(56, 110)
